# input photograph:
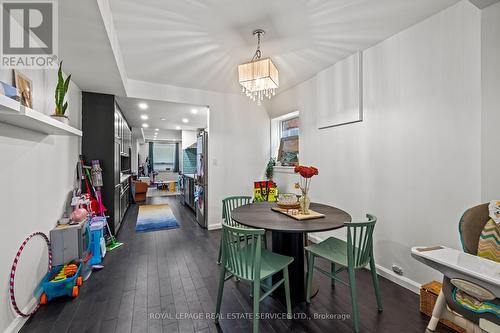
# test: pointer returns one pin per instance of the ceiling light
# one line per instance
(185, 120)
(194, 111)
(145, 125)
(163, 118)
(157, 129)
(143, 106)
(177, 127)
(144, 117)
(259, 77)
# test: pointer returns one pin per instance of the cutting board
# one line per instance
(300, 217)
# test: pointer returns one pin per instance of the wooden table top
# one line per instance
(259, 215)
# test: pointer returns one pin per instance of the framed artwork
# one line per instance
(25, 88)
(288, 151)
(340, 93)
(9, 91)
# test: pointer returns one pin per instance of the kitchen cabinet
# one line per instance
(188, 189)
(122, 132)
(107, 137)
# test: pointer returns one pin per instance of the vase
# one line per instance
(62, 119)
(304, 201)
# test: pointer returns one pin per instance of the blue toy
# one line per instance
(60, 281)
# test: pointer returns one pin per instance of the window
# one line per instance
(285, 139)
(290, 127)
(164, 156)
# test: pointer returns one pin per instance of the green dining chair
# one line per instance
(354, 254)
(228, 205)
(247, 260)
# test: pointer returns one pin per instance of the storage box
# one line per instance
(428, 296)
(69, 242)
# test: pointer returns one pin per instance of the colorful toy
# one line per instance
(60, 281)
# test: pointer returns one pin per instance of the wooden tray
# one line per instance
(300, 217)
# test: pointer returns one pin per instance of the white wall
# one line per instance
(188, 138)
(414, 161)
(37, 173)
(137, 139)
(143, 152)
(490, 47)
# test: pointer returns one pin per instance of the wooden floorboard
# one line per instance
(155, 277)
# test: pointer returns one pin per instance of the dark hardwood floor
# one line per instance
(155, 278)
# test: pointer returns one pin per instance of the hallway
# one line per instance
(158, 276)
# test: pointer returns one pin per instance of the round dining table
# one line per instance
(289, 235)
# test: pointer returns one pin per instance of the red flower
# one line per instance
(306, 172)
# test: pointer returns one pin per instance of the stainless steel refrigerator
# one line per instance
(201, 180)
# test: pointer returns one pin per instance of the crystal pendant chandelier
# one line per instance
(259, 77)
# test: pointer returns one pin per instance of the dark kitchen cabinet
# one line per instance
(107, 137)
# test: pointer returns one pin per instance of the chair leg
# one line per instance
(222, 277)
(354, 298)
(220, 254)
(256, 301)
(310, 270)
(439, 307)
(287, 294)
(376, 286)
(333, 274)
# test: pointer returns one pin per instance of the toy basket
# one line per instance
(65, 287)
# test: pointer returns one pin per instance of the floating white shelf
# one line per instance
(13, 113)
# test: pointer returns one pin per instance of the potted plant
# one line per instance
(270, 169)
(306, 174)
(60, 94)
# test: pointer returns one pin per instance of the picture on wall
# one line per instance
(9, 91)
(340, 93)
(25, 88)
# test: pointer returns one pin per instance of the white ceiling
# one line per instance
(165, 116)
(198, 43)
(84, 47)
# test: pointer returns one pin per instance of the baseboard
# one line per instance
(214, 226)
(18, 322)
(387, 273)
(403, 281)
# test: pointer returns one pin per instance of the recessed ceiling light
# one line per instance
(157, 129)
(143, 106)
(185, 120)
(163, 118)
(145, 125)
(144, 117)
(177, 127)
(194, 111)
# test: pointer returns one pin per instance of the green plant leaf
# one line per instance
(65, 106)
(66, 85)
(59, 87)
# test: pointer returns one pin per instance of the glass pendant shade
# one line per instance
(259, 77)
(260, 74)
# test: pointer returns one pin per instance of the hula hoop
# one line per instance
(14, 267)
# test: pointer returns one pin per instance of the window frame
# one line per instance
(276, 135)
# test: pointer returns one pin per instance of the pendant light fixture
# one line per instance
(259, 77)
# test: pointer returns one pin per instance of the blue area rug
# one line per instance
(155, 217)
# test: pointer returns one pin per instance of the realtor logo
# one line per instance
(29, 34)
